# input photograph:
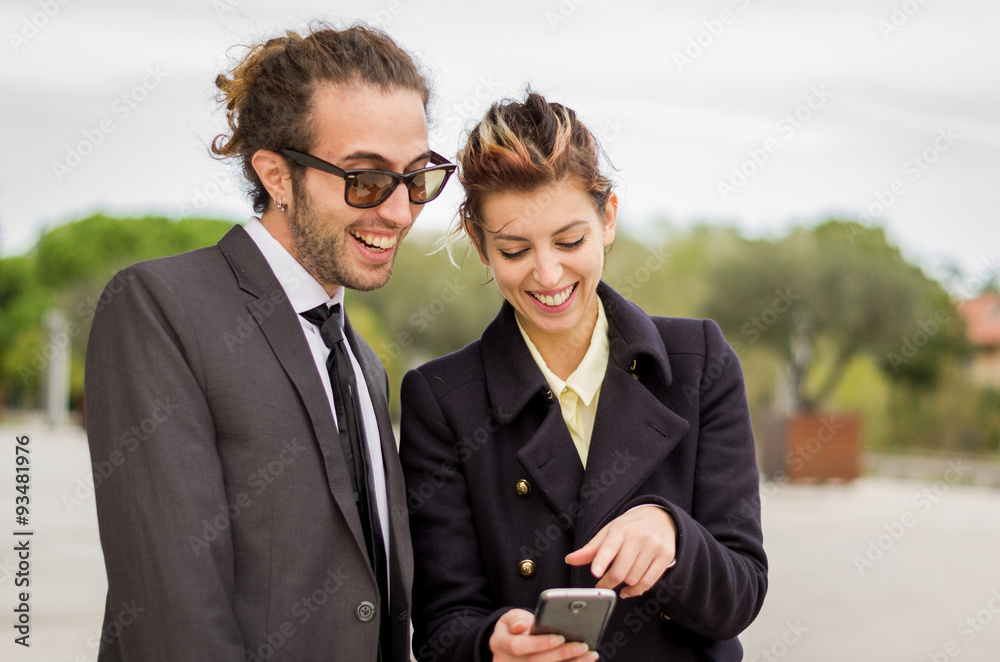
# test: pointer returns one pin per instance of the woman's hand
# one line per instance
(635, 548)
(510, 642)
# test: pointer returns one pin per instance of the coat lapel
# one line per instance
(633, 435)
(520, 398)
(281, 328)
(634, 431)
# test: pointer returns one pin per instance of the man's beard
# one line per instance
(323, 250)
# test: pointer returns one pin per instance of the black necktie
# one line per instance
(352, 441)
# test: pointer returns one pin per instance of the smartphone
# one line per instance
(579, 614)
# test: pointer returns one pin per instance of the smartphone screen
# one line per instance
(579, 614)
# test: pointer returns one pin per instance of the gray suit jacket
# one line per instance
(225, 509)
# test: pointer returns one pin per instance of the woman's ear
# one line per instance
(610, 216)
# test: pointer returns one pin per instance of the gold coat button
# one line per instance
(522, 488)
(664, 617)
(527, 568)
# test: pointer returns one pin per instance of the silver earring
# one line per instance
(282, 208)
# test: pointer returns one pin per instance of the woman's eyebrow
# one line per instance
(512, 237)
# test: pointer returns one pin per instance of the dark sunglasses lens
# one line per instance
(427, 185)
(369, 189)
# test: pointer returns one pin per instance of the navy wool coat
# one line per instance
(494, 481)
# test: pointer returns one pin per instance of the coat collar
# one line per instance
(634, 431)
(513, 378)
(253, 273)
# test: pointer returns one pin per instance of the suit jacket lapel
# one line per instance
(398, 545)
(280, 325)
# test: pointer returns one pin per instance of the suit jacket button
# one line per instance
(664, 617)
(365, 611)
(527, 568)
(522, 488)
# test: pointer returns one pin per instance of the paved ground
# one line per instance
(886, 569)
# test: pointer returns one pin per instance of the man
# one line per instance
(256, 510)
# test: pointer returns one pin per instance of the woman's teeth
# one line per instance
(557, 299)
(376, 243)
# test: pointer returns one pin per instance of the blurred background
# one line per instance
(819, 178)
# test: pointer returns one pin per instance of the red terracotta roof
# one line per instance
(982, 316)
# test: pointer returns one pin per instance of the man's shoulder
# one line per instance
(191, 263)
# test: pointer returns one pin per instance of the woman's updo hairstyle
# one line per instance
(520, 147)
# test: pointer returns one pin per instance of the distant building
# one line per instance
(982, 318)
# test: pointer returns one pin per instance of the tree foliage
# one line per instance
(67, 269)
(820, 297)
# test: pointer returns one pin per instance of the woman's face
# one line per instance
(546, 249)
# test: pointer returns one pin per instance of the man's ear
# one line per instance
(274, 174)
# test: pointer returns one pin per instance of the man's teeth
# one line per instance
(372, 241)
(557, 299)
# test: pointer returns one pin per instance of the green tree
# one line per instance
(67, 269)
(821, 297)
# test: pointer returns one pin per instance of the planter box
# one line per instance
(820, 446)
(823, 446)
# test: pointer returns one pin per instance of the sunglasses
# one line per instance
(369, 188)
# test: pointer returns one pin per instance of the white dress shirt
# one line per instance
(305, 293)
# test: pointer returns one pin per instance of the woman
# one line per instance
(579, 442)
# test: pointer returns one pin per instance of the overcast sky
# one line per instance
(758, 113)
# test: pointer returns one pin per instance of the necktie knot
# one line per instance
(328, 321)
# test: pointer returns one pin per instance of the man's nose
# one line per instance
(397, 208)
